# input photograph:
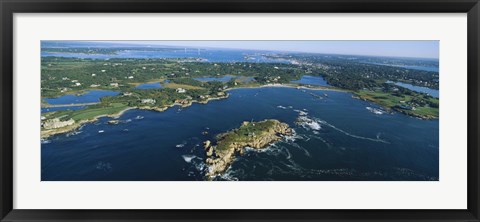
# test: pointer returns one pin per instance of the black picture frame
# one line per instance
(9, 7)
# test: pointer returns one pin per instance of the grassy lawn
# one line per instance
(175, 85)
(90, 113)
(389, 101)
(149, 81)
(382, 98)
(87, 113)
(426, 111)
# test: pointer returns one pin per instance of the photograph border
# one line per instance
(10, 7)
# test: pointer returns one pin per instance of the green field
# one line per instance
(425, 106)
(93, 112)
(88, 113)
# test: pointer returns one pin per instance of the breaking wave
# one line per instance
(181, 144)
(73, 133)
(105, 166)
(189, 158)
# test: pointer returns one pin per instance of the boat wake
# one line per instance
(313, 123)
(377, 139)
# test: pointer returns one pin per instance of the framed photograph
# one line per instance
(251, 111)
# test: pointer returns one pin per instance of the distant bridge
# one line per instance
(68, 105)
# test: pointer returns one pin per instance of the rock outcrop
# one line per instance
(206, 144)
(256, 135)
(57, 123)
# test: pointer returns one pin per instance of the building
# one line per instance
(114, 84)
(148, 101)
(181, 90)
(407, 107)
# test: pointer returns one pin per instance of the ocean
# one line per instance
(344, 141)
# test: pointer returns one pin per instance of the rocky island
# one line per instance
(256, 135)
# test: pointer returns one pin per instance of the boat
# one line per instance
(101, 131)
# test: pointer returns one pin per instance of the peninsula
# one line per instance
(180, 85)
(256, 135)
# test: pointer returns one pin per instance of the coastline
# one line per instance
(321, 88)
(48, 133)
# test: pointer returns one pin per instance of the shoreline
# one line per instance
(81, 92)
(320, 88)
(46, 134)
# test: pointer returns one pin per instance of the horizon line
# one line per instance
(145, 43)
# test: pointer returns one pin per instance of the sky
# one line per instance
(400, 48)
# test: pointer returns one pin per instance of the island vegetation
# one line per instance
(256, 135)
(61, 76)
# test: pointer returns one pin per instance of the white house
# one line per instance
(180, 90)
(148, 101)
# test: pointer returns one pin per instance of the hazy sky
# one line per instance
(419, 49)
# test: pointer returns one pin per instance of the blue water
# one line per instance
(225, 78)
(209, 55)
(352, 143)
(90, 96)
(431, 92)
(220, 79)
(423, 68)
(155, 85)
(312, 80)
